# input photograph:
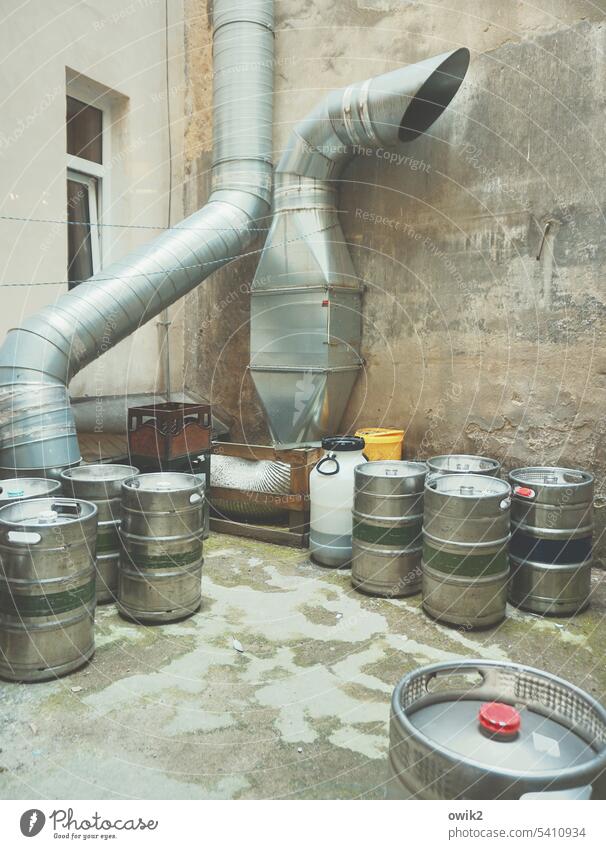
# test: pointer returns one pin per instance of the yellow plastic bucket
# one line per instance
(382, 443)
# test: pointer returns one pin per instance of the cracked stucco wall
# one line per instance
(471, 342)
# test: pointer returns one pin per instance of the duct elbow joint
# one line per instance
(381, 112)
(37, 428)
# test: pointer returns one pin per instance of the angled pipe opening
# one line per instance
(434, 95)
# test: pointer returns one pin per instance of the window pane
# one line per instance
(79, 252)
(84, 126)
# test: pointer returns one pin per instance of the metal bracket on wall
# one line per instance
(548, 225)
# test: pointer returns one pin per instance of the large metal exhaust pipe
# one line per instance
(38, 359)
(306, 304)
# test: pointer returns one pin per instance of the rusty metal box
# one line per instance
(168, 431)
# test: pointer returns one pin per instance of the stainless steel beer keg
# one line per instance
(47, 587)
(387, 522)
(479, 729)
(551, 541)
(101, 484)
(465, 537)
(21, 489)
(161, 535)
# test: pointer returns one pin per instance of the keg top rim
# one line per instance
(403, 713)
(455, 484)
(162, 482)
(27, 512)
(401, 469)
(533, 474)
(47, 473)
(22, 484)
(99, 472)
(440, 462)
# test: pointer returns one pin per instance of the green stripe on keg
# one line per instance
(163, 561)
(400, 535)
(467, 565)
(46, 605)
(107, 542)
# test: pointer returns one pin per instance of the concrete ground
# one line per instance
(177, 712)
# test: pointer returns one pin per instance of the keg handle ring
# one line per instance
(23, 537)
(329, 457)
(65, 506)
(455, 675)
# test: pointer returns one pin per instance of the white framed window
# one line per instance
(87, 187)
(83, 236)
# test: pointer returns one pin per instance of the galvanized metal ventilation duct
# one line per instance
(306, 304)
(38, 359)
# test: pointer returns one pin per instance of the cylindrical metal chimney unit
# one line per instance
(306, 295)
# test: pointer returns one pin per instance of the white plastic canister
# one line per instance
(331, 489)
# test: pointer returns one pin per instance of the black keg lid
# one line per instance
(343, 443)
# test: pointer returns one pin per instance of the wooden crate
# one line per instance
(296, 502)
(167, 432)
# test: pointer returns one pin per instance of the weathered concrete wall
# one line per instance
(471, 342)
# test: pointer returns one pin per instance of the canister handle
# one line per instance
(455, 674)
(572, 477)
(583, 792)
(332, 458)
(195, 497)
(23, 537)
(66, 507)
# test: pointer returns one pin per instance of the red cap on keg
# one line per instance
(524, 491)
(500, 719)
